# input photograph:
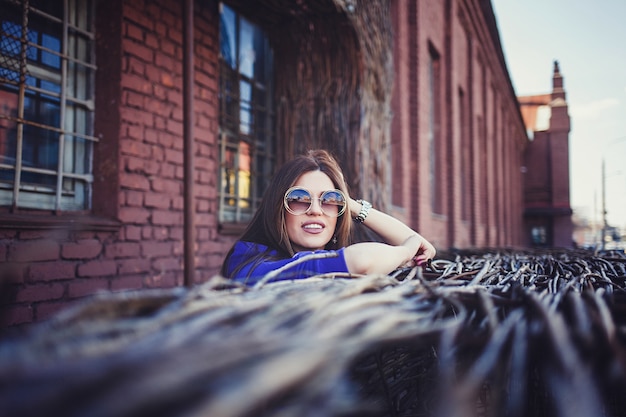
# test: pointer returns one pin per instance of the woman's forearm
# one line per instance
(395, 233)
(375, 257)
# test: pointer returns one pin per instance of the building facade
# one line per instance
(137, 137)
(548, 214)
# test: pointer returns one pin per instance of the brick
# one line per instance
(142, 52)
(49, 271)
(39, 250)
(167, 217)
(152, 41)
(157, 153)
(175, 96)
(133, 266)
(11, 272)
(180, 173)
(168, 171)
(168, 140)
(157, 200)
(97, 268)
(132, 233)
(159, 92)
(168, 48)
(146, 232)
(171, 187)
(134, 32)
(202, 206)
(178, 203)
(175, 35)
(134, 99)
(139, 18)
(169, 18)
(131, 282)
(167, 264)
(40, 292)
(122, 250)
(154, 249)
(151, 136)
(16, 315)
(135, 66)
(134, 181)
(136, 215)
(177, 114)
(135, 132)
(161, 233)
(83, 287)
(133, 198)
(82, 249)
(142, 166)
(163, 280)
(167, 80)
(139, 84)
(165, 62)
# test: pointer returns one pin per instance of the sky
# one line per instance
(588, 40)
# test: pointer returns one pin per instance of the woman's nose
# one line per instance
(316, 207)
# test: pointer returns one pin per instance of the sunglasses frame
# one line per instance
(319, 199)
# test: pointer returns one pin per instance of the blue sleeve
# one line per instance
(255, 270)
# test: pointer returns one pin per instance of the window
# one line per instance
(539, 236)
(434, 120)
(466, 162)
(246, 126)
(47, 73)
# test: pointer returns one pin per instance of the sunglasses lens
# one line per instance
(298, 201)
(333, 203)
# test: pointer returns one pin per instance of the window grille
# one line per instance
(47, 76)
(246, 116)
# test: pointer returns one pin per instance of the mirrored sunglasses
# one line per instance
(299, 200)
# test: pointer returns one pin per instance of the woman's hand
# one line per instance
(425, 252)
(403, 246)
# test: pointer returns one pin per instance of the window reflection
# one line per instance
(245, 115)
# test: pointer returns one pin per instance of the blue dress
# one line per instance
(257, 261)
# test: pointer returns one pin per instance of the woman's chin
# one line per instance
(310, 244)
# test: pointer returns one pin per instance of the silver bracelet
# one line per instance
(365, 210)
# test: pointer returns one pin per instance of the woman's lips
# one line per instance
(313, 227)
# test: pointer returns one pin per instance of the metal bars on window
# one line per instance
(47, 75)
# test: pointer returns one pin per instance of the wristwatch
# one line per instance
(365, 210)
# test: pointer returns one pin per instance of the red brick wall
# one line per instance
(491, 129)
(139, 170)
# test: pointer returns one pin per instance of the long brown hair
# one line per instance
(268, 226)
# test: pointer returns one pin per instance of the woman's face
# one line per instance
(312, 230)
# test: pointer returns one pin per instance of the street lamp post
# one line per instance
(604, 221)
(604, 211)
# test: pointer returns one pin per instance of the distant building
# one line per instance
(547, 211)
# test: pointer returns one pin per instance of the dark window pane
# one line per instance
(227, 36)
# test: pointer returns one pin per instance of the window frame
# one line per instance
(434, 129)
(246, 150)
(75, 101)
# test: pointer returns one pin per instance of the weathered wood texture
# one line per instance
(491, 334)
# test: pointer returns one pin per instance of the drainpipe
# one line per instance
(188, 143)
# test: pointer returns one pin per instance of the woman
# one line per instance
(307, 210)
